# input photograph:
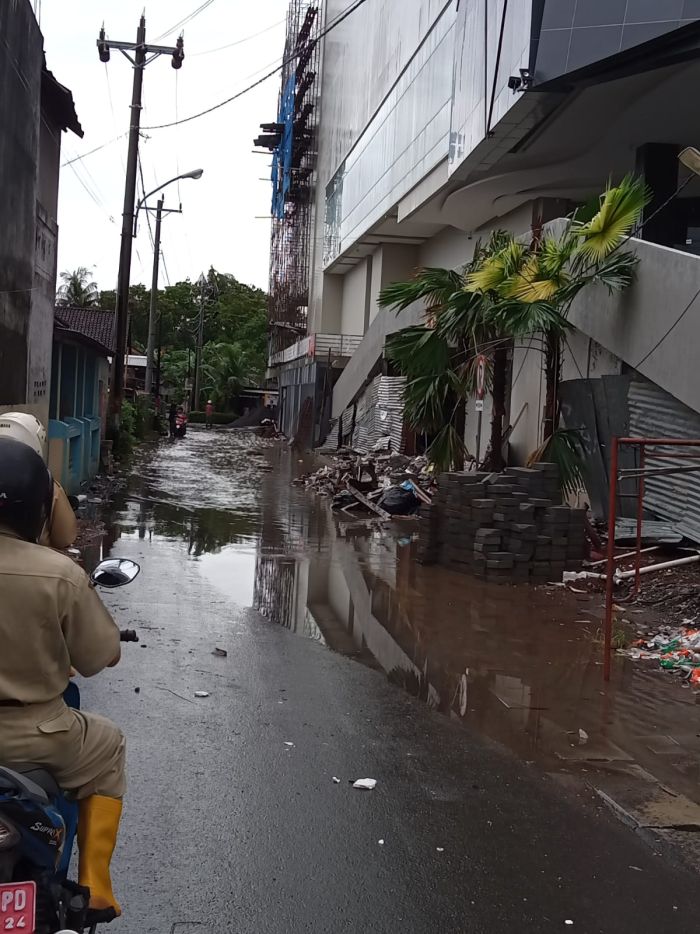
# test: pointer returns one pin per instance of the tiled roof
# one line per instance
(94, 323)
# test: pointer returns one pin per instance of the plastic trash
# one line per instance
(220, 653)
(399, 502)
(289, 744)
(582, 737)
(336, 780)
(201, 693)
(365, 784)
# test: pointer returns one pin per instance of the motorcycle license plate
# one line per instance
(18, 907)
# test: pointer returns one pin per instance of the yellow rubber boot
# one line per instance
(98, 825)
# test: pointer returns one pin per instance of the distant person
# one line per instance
(209, 412)
(172, 418)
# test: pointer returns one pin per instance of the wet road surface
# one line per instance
(228, 828)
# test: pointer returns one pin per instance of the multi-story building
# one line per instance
(34, 110)
(436, 122)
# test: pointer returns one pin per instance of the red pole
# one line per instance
(610, 570)
(640, 509)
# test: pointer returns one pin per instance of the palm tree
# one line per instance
(78, 289)
(439, 357)
(526, 281)
(226, 370)
(511, 290)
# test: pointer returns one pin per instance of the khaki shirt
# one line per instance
(50, 619)
(61, 529)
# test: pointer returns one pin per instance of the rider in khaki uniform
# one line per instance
(61, 526)
(51, 619)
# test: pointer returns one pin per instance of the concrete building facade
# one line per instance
(438, 122)
(34, 110)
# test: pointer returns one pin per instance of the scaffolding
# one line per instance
(292, 142)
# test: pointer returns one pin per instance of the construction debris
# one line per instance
(676, 649)
(385, 484)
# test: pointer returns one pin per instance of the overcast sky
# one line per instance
(220, 224)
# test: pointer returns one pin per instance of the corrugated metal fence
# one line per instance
(655, 413)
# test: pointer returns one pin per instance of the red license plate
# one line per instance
(18, 907)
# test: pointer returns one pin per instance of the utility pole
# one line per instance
(139, 61)
(200, 341)
(152, 311)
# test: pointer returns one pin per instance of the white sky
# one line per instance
(219, 225)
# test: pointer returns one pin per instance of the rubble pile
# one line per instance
(385, 483)
(676, 648)
(507, 527)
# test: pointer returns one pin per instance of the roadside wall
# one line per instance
(20, 91)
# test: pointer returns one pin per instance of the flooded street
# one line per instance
(522, 665)
(247, 725)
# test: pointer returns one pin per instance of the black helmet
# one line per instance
(26, 489)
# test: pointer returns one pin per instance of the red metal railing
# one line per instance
(640, 473)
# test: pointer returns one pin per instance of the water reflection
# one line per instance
(521, 665)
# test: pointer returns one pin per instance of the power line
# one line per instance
(91, 151)
(324, 32)
(222, 48)
(673, 326)
(143, 195)
(185, 20)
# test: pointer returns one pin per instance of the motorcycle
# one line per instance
(38, 826)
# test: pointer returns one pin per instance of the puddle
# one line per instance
(519, 664)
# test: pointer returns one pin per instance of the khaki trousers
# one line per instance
(84, 752)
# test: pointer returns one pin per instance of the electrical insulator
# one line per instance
(179, 53)
(102, 47)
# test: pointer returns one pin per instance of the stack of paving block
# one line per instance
(508, 527)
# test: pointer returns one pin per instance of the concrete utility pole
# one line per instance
(139, 61)
(200, 342)
(152, 311)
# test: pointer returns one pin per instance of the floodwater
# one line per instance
(521, 665)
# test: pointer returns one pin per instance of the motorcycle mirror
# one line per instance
(115, 572)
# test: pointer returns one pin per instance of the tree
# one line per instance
(439, 358)
(526, 282)
(78, 289)
(512, 289)
(226, 369)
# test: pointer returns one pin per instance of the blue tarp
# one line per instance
(282, 156)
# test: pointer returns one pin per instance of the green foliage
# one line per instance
(234, 314)
(512, 289)
(77, 288)
(226, 369)
(564, 448)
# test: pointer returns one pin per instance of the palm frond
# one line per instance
(427, 402)
(621, 207)
(490, 274)
(522, 319)
(564, 448)
(616, 272)
(447, 449)
(462, 319)
(532, 283)
(418, 351)
(432, 285)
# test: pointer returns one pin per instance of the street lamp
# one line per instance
(150, 349)
(195, 174)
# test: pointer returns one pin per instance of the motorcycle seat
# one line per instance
(28, 777)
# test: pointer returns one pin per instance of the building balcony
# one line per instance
(318, 346)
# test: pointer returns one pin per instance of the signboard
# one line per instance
(480, 379)
(479, 405)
